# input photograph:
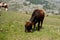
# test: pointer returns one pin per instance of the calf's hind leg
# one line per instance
(38, 26)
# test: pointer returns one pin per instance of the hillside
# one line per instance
(12, 22)
(12, 26)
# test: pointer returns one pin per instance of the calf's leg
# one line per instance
(38, 26)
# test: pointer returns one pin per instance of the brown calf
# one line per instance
(37, 17)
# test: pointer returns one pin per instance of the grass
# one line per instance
(12, 27)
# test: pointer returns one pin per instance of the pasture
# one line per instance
(12, 27)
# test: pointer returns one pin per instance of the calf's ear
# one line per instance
(28, 21)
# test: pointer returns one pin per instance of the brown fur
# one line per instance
(37, 17)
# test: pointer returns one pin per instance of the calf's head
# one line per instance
(28, 27)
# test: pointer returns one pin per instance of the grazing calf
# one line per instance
(4, 5)
(37, 17)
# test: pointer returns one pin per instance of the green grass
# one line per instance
(12, 27)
